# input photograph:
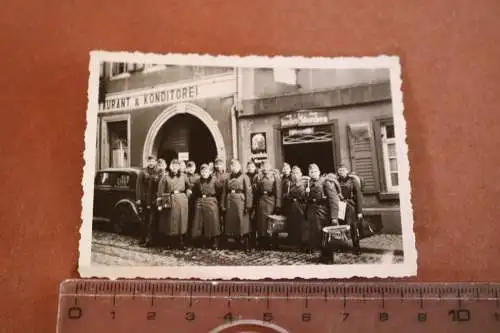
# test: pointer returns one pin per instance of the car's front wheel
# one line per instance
(122, 218)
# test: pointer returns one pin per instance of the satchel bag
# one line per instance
(164, 202)
(167, 201)
(366, 229)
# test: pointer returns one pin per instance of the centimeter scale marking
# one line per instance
(201, 306)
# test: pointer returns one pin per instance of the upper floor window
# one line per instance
(120, 70)
(389, 156)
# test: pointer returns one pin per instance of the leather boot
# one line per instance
(215, 243)
(246, 243)
(181, 242)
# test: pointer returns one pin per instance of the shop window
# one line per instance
(118, 144)
(389, 156)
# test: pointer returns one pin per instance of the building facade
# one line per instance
(165, 111)
(328, 117)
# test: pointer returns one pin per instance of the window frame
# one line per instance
(105, 161)
(120, 75)
(387, 159)
(387, 191)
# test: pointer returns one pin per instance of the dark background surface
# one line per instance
(450, 55)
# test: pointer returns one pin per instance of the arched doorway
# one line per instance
(185, 133)
(185, 127)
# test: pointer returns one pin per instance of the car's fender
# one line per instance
(130, 203)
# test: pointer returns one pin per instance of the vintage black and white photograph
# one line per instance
(220, 167)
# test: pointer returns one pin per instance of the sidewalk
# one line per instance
(383, 243)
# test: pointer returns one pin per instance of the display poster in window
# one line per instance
(258, 147)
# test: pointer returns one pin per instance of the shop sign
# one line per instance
(148, 99)
(183, 156)
(301, 118)
(168, 94)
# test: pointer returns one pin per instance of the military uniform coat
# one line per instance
(238, 198)
(295, 212)
(148, 187)
(174, 221)
(192, 179)
(220, 182)
(206, 212)
(323, 205)
(253, 181)
(351, 193)
(285, 192)
(268, 192)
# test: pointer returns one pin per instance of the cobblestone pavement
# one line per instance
(119, 250)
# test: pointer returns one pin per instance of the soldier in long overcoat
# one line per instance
(268, 192)
(161, 170)
(206, 222)
(251, 172)
(237, 203)
(192, 177)
(322, 210)
(220, 176)
(295, 212)
(286, 179)
(174, 190)
(146, 198)
(350, 189)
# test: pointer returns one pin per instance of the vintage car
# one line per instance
(115, 196)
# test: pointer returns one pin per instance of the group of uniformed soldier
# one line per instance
(214, 207)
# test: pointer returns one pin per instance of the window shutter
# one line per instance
(362, 156)
(102, 91)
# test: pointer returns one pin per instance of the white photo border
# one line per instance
(405, 269)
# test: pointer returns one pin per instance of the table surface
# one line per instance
(450, 55)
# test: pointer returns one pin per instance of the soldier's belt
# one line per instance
(318, 201)
(208, 195)
(235, 191)
(177, 192)
(269, 193)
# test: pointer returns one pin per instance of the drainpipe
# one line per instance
(234, 110)
(234, 130)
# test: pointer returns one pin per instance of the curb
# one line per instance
(396, 252)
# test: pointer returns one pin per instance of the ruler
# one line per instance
(153, 306)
